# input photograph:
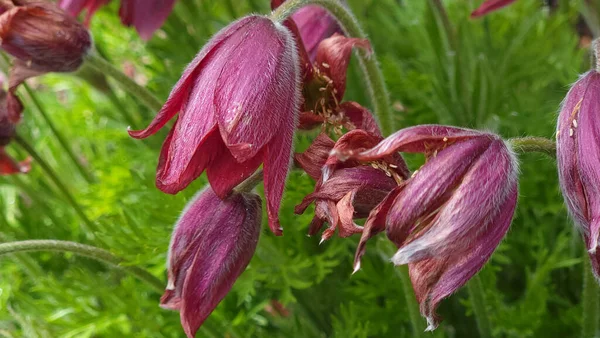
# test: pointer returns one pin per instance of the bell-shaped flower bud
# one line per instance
(42, 38)
(211, 245)
(449, 217)
(578, 157)
(145, 15)
(238, 104)
(75, 7)
(490, 6)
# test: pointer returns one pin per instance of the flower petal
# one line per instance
(490, 6)
(225, 173)
(360, 117)
(145, 15)
(313, 159)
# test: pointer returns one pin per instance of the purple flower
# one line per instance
(238, 104)
(211, 246)
(75, 7)
(346, 190)
(449, 217)
(42, 38)
(145, 15)
(578, 156)
(8, 165)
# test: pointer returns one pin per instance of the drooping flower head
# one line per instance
(146, 16)
(42, 38)
(578, 157)
(449, 217)
(238, 104)
(211, 246)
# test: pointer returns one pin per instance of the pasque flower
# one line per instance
(145, 15)
(346, 190)
(578, 157)
(211, 246)
(449, 217)
(42, 38)
(490, 6)
(238, 104)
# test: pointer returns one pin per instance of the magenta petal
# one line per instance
(313, 159)
(211, 246)
(432, 186)
(75, 7)
(360, 117)
(345, 209)
(145, 15)
(278, 155)
(257, 90)
(333, 57)
(490, 6)
(489, 180)
(9, 166)
(196, 85)
(438, 277)
(225, 173)
(314, 25)
(418, 139)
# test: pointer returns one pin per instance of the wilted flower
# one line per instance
(211, 245)
(490, 6)
(314, 24)
(449, 217)
(346, 190)
(7, 132)
(578, 156)
(145, 15)
(238, 105)
(42, 38)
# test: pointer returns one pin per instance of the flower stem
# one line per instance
(59, 184)
(374, 79)
(477, 298)
(534, 144)
(82, 250)
(63, 142)
(126, 83)
(251, 182)
(591, 303)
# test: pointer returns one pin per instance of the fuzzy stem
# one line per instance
(373, 75)
(477, 297)
(591, 302)
(63, 142)
(530, 144)
(126, 83)
(251, 182)
(82, 250)
(59, 184)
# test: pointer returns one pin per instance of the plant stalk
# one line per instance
(477, 297)
(529, 144)
(373, 75)
(82, 250)
(126, 83)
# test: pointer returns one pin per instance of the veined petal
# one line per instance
(225, 173)
(145, 15)
(313, 159)
(490, 6)
(360, 117)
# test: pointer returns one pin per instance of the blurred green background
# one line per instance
(507, 73)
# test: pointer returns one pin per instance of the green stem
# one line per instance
(523, 145)
(82, 250)
(126, 83)
(591, 303)
(59, 184)
(374, 79)
(63, 142)
(386, 250)
(477, 297)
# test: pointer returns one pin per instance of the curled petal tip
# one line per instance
(323, 239)
(356, 267)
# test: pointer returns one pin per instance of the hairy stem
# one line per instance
(126, 83)
(57, 181)
(63, 142)
(591, 303)
(529, 144)
(82, 250)
(373, 75)
(477, 297)
(251, 182)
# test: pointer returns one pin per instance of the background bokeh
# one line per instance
(507, 73)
